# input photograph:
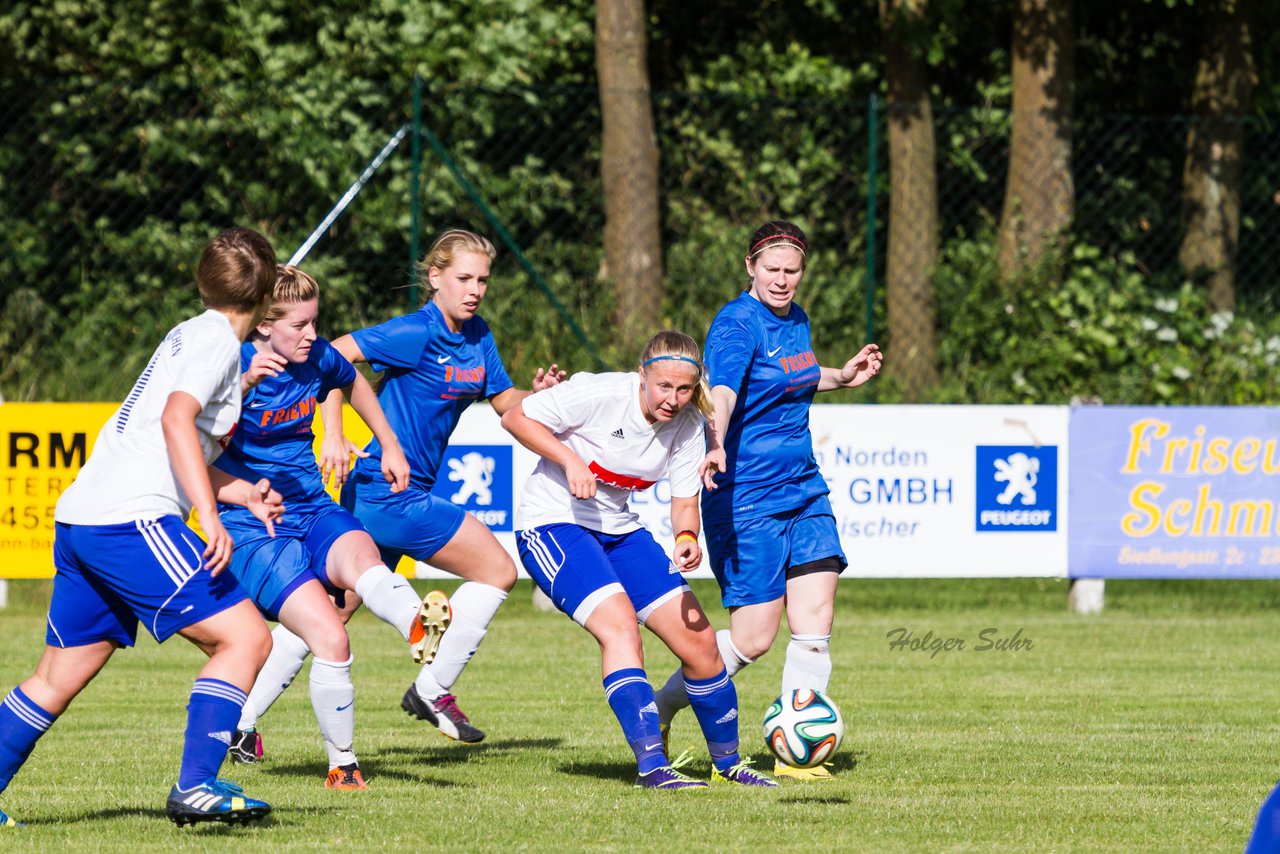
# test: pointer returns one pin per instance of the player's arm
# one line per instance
(723, 400)
(535, 436)
(503, 401)
(855, 372)
(259, 498)
(186, 459)
(350, 350)
(685, 520)
(395, 468)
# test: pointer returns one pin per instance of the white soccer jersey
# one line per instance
(128, 476)
(599, 417)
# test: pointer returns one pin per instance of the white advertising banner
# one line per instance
(918, 491)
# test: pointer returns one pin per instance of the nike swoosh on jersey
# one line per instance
(440, 360)
(774, 352)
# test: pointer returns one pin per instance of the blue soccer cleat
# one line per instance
(667, 777)
(742, 774)
(7, 821)
(220, 800)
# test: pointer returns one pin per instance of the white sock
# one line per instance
(672, 697)
(808, 663)
(287, 654)
(389, 597)
(473, 606)
(334, 698)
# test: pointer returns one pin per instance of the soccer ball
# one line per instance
(803, 728)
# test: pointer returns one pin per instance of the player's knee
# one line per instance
(256, 643)
(501, 574)
(332, 646)
(703, 660)
(754, 646)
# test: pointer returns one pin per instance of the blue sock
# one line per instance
(212, 715)
(631, 697)
(22, 723)
(715, 703)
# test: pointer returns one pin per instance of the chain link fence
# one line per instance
(108, 190)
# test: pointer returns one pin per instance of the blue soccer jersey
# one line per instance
(430, 375)
(274, 438)
(768, 361)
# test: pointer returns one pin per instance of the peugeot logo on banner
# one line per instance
(478, 479)
(1017, 488)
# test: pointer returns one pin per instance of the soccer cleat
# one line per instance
(246, 747)
(221, 800)
(7, 821)
(818, 772)
(667, 777)
(433, 618)
(743, 774)
(345, 777)
(442, 713)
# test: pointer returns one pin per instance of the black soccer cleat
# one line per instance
(442, 713)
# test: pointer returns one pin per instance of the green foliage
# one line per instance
(1083, 325)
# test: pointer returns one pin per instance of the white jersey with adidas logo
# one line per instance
(599, 417)
(127, 476)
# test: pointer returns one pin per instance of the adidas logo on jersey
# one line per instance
(617, 434)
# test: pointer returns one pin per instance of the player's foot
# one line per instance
(246, 747)
(345, 777)
(221, 800)
(442, 713)
(433, 618)
(743, 774)
(818, 772)
(667, 777)
(7, 821)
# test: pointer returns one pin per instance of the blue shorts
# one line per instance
(578, 568)
(270, 568)
(750, 557)
(413, 522)
(110, 577)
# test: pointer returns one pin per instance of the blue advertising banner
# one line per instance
(1187, 492)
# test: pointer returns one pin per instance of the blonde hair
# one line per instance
(448, 246)
(670, 344)
(292, 285)
(236, 270)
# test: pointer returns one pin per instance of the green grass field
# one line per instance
(1153, 727)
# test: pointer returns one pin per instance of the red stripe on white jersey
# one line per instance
(614, 479)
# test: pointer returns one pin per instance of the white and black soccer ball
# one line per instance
(803, 728)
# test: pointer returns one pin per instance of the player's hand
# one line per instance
(582, 482)
(395, 468)
(263, 365)
(217, 551)
(861, 367)
(335, 458)
(546, 379)
(687, 555)
(712, 464)
(266, 504)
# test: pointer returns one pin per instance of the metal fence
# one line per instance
(108, 189)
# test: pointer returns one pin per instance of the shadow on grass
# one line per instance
(832, 800)
(456, 753)
(623, 772)
(204, 828)
(372, 768)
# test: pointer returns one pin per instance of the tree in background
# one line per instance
(913, 198)
(629, 168)
(1224, 83)
(1039, 193)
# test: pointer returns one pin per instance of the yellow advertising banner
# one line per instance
(42, 447)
